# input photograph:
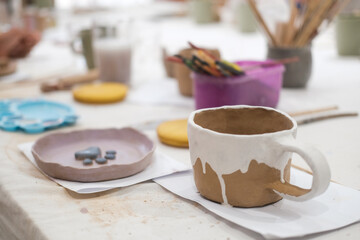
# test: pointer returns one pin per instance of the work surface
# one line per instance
(33, 207)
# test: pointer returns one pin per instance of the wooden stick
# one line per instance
(318, 110)
(316, 20)
(68, 82)
(174, 59)
(289, 35)
(280, 61)
(204, 50)
(280, 32)
(326, 116)
(311, 5)
(307, 171)
(335, 9)
(257, 14)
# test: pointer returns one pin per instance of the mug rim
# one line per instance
(193, 124)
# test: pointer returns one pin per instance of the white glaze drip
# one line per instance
(203, 163)
(223, 189)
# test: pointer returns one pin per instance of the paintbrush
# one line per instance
(306, 21)
(262, 22)
(204, 50)
(272, 63)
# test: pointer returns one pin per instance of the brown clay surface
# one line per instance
(54, 154)
(250, 189)
(182, 73)
(243, 121)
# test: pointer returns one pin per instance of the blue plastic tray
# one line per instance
(34, 116)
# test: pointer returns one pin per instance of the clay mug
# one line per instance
(203, 11)
(347, 31)
(86, 48)
(244, 18)
(241, 156)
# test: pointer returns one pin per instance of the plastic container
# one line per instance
(259, 87)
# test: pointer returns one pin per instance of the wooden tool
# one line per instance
(318, 110)
(66, 83)
(315, 22)
(272, 63)
(319, 114)
(326, 115)
(290, 31)
(262, 22)
(305, 21)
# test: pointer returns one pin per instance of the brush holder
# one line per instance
(182, 72)
(297, 74)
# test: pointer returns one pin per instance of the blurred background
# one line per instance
(54, 39)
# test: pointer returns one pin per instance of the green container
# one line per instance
(348, 35)
(244, 18)
(202, 11)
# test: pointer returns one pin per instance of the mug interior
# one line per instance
(243, 121)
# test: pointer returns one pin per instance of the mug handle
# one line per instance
(318, 164)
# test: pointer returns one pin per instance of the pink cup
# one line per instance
(259, 87)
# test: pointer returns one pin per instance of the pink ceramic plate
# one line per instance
(54, 154)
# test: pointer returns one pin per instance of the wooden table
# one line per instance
(33, 207)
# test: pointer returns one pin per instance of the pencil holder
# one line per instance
(259, 87)
(296, 74)
(182, 73)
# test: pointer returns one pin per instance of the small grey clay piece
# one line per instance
(101, 160)
(87, 161)
(110, 156)
(111, 152)
(91, 152)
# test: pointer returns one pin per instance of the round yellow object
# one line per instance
(100, 93)
(174, 133)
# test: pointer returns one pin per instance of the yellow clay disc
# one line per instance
(100, 92)
(174, 133)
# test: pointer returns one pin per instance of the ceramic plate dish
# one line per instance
(34, 116)
(54, 154)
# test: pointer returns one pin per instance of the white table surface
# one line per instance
(33, 207)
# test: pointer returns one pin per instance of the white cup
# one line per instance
(113, 59)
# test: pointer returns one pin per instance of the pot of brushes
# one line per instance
(294, 37)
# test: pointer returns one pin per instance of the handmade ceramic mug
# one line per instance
(86, 47)
(204, 11)
(241, 156)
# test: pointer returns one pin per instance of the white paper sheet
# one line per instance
(164, 92)
(161, 165)
(337, 207)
